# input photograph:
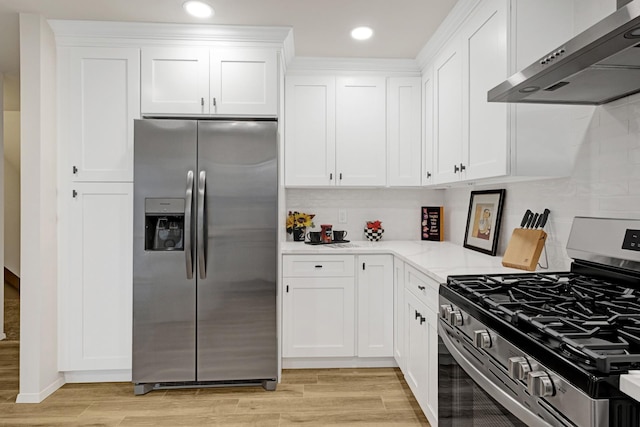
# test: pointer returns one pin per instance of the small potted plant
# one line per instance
(297, 223)
(373, 231)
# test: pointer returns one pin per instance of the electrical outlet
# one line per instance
(342, 216)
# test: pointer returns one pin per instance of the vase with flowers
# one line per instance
(297, 223)
(373, 231)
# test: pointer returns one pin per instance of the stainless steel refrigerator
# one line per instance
(205, 242)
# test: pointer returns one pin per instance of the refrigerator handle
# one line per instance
(188, 254)
(202, 265)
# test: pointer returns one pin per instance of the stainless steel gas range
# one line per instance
(541, 349)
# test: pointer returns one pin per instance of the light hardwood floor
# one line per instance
(318, 397)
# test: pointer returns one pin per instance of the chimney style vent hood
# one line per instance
(597, 66)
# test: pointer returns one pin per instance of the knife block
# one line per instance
(524, 249)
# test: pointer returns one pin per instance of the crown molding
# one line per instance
(303, 64)
(70, 32)
(451, 23)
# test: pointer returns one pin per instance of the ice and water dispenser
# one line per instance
(164, 224)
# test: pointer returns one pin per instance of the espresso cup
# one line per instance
(314, 236)
(339, 235)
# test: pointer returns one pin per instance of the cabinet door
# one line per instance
(310, 130)
(101, 98)
(431, 401)
(416, 366)
(427, 127)
(95, 304)
(244, 81)
(175, 80)
(398, 315)
(375, 305)
(448, 114)
(485, 139)
(318, 317)
(403, 122)
(361, 131)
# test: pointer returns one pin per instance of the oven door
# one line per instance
(467, 396)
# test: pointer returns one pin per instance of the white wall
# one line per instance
(12, 191)
(2, 334)
(398, 209)
(39, 376)
(604, 182)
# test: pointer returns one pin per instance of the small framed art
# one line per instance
(483, 221)
(432, 223)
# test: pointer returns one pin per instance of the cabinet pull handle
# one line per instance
(417, 314)
(330, 177)
(318, 266)
(422, 288)
(462, 167)
(75, 170)
(428, 174)
(455, 168)
(74, 193)
(287, 288)
(422, 319)
(214, 102)
(363, 266)
(340, 176)
(202, 101)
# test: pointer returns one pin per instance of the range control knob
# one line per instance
(539, 383)
(445, 309)
(482, 339)
(455, 318)
(519, 367)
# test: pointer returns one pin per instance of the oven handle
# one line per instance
(491, 388)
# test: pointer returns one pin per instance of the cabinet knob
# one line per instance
(422, 288)
(428, 174)
(455, 169)
(75, 170)
(462, 167)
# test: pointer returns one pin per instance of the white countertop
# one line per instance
(435, 259)
(630, 384)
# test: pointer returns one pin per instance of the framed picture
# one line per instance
(483, 221)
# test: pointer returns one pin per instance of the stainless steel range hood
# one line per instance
(597, 66)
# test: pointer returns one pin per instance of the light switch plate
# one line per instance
(342, 216)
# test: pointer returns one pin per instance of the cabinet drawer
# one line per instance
(318, 266)
(421, 285)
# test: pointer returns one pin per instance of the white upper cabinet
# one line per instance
(447, 98)
(226, 81)
(100, 98)
(403, 127)
(310, 135)
(485, 124)
(361, 131)
(244, 81)
(175, 80)
(427, 127)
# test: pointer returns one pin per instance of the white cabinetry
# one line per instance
(100, 98)
(403, 126)
(421, 340)
(398, 313)
(375, 305)
(427, 127)
(96, 290)
(361, 131)
(310, 130)
(318, 314)
(199, 80)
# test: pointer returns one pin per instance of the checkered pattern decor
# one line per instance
(373, 235)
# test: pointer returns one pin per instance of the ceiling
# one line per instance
(320, 27)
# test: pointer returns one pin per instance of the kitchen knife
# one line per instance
(529, 220)
(534, 220)
(525, 218)
(537, 224)
(545, 216)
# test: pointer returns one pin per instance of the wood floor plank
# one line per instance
(236, 420)
(384, 390)
(283, 391)
(310, 404)
(354, 418)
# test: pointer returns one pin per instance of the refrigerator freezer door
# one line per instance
(236, 327)
(164, 298)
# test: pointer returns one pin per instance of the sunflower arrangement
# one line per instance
(299, 220)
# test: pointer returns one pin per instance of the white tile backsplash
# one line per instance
(604, 182)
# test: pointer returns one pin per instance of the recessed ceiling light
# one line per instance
(198, 9)
(362, 33)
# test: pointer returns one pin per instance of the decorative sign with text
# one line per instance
(432, 223)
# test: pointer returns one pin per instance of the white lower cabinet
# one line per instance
(318, 310)
(398, 314)
(96, 278)
(375, 305)
(421, 343)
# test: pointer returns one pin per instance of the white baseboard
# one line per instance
(39, 397)
(2, 336)
(338, 362)
(110, 376)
